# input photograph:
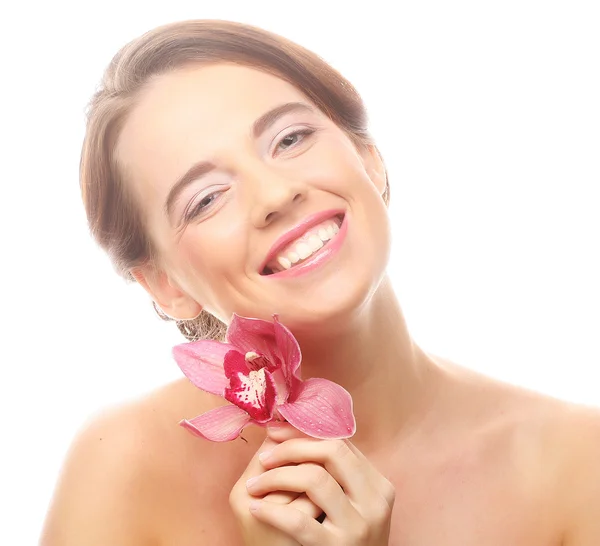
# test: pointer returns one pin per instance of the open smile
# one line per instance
(307, 245)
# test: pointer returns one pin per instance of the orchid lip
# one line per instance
(297, 232)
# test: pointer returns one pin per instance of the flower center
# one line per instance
(254, 392)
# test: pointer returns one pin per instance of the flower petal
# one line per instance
(321, 409)
(256, 335)
(219, 425)
(289, 349)
(202, 364)
(234, 362)
(251, 390)
(282, 389)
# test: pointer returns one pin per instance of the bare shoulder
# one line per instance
(101, 480)
(570, 468)
(576, 444)
(566, 431)
(552, 445)
(120, 463)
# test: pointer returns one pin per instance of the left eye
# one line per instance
(292, 139)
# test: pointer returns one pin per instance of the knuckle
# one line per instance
(234, 501)
(277, 450)
(381, 512)
(233, 497)
(340, 449)
(389, 493)
(299, 523)
(318, 477)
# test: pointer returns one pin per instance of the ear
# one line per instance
(374, 166)
(173, 301)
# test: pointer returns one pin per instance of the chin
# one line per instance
(333, 297)
(330, 308)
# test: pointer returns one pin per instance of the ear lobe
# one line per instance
(173, 301)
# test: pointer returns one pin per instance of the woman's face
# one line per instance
(241, 179)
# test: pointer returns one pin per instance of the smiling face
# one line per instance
(256, 202)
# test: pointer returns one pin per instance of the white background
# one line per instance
(488, 116)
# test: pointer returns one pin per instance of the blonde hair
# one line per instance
(114, 218)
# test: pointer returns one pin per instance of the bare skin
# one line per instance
(496, 468)
(472, 461)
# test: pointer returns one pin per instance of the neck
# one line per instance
(374, 358)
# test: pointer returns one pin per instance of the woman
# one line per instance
(212, 149)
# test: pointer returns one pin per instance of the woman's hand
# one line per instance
(336, 477)
(254, 531)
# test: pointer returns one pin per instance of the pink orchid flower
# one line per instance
(257, 371)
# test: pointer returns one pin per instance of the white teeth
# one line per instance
(315, 243)
(303, 250)
(284, 262)
(324, 235)
(305, 246)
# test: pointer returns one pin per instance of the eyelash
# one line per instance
(300, 132)
(195, 211)
(191, 214)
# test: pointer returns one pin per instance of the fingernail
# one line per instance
(251, 482)
(254, 505)
(264, 456)
(275, 425)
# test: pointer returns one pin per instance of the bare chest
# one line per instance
(468, 503)
(456, 500)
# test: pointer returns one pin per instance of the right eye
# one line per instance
(202, 205)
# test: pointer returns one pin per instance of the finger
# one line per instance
(294, 523)
(303, 504)
(298, 500)
(280, 431)
(281, 497)
(315, 481)
(238, 495)
(383, 484)
(352, 473)
(355, 450)
(361, 481)
(375, 485)
(254, 466)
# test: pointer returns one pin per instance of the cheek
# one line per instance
(213, 255)
(335, 165)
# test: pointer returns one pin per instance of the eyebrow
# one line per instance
(204, 167)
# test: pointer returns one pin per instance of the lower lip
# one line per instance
(318, 258)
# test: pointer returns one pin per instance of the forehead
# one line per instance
(202, 101)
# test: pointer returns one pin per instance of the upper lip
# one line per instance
(297, 231)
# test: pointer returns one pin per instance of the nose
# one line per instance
(273, 195)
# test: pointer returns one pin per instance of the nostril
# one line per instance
(274, 213)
